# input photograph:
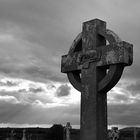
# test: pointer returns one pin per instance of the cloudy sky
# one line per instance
(34, 34)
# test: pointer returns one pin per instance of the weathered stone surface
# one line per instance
(94, 68)
(106, 55)
(93, 105)
(116, 53)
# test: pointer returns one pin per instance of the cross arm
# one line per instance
(71, 62)
(116, 53)
(74, 61)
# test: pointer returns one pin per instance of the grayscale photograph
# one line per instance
(69, 70)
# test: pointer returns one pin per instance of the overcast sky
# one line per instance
(34, 34)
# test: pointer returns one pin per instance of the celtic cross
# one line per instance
(67, 131)
(93, 68)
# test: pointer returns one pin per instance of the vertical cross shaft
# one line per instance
(93, 104)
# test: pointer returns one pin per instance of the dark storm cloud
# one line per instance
(26, 113)
(35, 90)
(35, 27)
(63, 90)
(9, 111)
(123, 106)
(135, 88)
(124, 114)
(32, 72)
(49, 25)
(22, 90)
(43, 20)
(42, 74)
(9, 83)
(51, 86)
(119, 98)
(24, 96)
(132, 73)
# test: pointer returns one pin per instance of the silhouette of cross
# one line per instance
(94, 68)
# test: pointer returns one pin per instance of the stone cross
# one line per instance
(12, 135)
(67, 130)
(114, 134)
(94, 67)
(24, 135)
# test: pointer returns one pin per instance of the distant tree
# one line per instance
(57, 132)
